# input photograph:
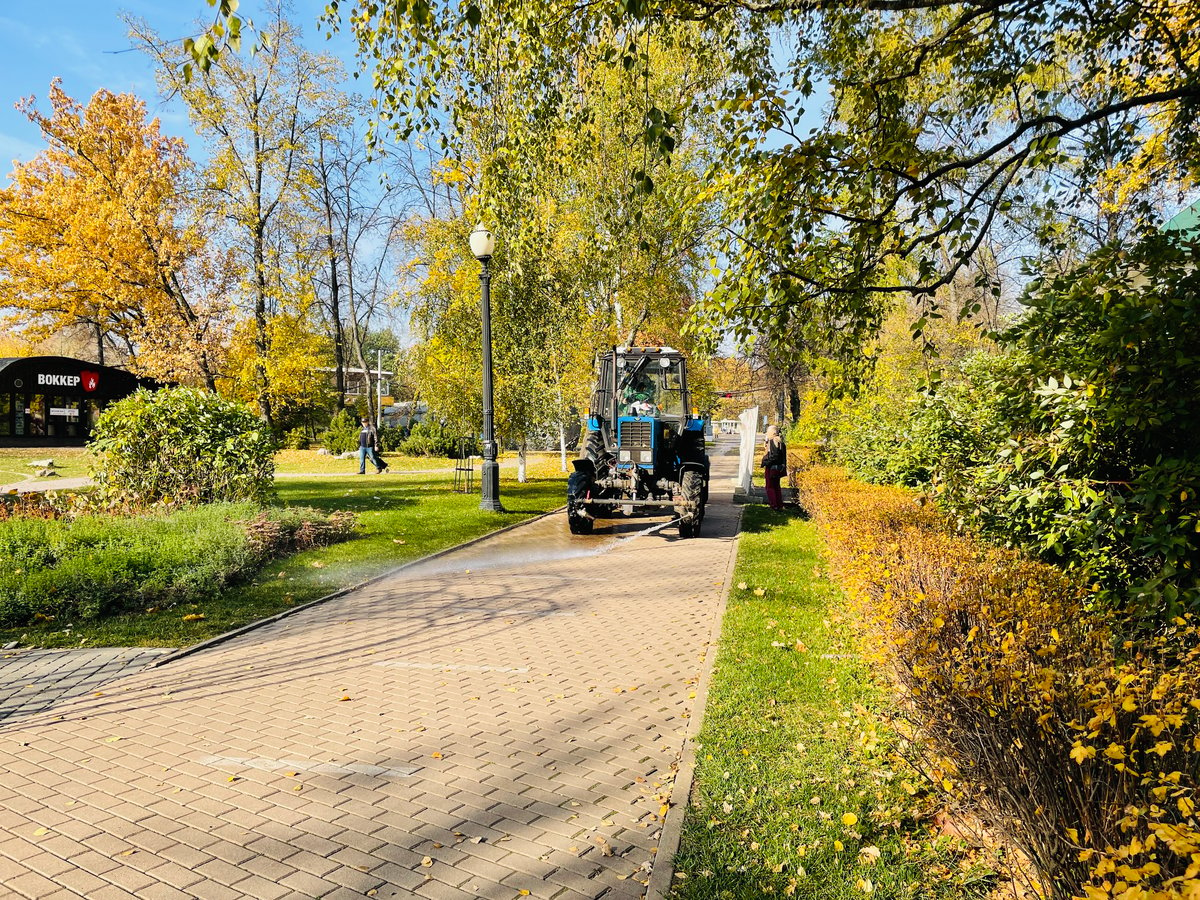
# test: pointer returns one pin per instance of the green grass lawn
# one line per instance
(289, 462)
(800, 789)
(403, 518)
(70, 462)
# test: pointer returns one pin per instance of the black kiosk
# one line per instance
(53, 401)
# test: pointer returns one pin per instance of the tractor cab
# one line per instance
(640, 407)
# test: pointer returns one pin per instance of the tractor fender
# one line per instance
(694, 465)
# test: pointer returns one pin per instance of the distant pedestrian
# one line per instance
(368, 448)
(774, 463)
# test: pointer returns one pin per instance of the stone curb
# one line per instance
(663, 869)
(269, 620)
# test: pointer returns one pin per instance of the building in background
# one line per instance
(53, 401)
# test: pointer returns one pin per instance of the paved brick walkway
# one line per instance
(441, 734)
(35, 680)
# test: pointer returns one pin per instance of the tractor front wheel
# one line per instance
(692, 488)
(578, 486)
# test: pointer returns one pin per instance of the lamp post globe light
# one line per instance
(482, 246)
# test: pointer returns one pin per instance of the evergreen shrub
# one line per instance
(178, 446)
(434, 438)
(342, 435)
(297, 439)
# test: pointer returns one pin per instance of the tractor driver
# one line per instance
(638, 396)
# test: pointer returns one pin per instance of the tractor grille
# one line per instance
(634, 436)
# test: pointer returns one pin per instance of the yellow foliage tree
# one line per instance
(94, 231)
(293, 367)
(262, 119)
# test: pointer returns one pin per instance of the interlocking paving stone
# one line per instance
(534, 703)
(32, 681)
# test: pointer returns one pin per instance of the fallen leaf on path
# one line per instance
(605, 847)
(427, 861)
(343, 697)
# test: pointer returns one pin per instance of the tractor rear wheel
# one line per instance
(692, 488)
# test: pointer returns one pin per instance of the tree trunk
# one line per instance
(261, 343)
(335, 303)
(521, 461)
(793, 388)
(99, 344)
(562, 445)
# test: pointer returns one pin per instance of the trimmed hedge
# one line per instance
(101, 565)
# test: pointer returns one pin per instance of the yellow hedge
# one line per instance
(1081, 745)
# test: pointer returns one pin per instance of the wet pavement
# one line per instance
(501, 722)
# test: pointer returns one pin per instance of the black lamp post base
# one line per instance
(489, 479)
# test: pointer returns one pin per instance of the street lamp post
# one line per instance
(483, 245)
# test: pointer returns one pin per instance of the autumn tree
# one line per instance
(352, 258)
(261, 118)
(98, 231)
(948, 124)
(589, 257)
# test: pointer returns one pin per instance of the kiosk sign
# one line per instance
(45, 380)
(88, 380)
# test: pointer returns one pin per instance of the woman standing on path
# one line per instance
(774, 463)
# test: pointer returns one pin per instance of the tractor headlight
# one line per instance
(647, 456)
(624, 456)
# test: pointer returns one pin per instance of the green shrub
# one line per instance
(297, 439)
(433, 438)
(392, 437)
(1089, 451)
(342, 436)
(101, 565)
(1077, 439)
(179, 445)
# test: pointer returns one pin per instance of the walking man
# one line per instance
(368, 448)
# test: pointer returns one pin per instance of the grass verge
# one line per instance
(70, 462)
(403, 518)
(800, 787)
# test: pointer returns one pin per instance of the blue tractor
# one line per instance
(643, 450)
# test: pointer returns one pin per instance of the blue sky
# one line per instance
(80, 41)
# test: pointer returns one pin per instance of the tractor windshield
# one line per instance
(650, 387)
